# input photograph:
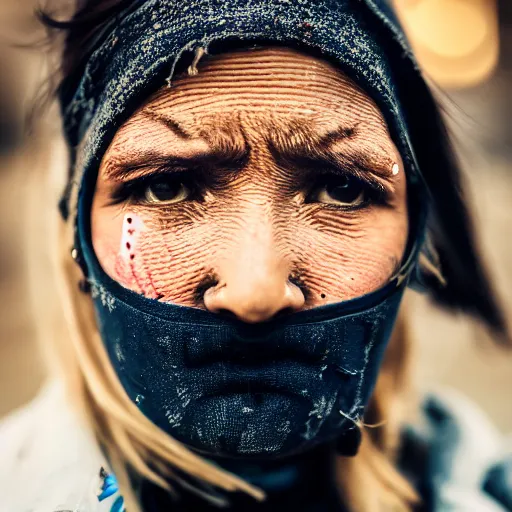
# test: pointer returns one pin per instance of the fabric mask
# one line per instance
(217, 385)
(231, 389)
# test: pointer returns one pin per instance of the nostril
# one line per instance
(298, 281)
(207, 283)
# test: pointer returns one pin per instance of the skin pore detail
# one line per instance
(266, 183)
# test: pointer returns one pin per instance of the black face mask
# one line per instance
(232, 389)
(219, 386)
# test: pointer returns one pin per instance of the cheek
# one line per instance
(344, 260)
(146, 255)
(116, 242)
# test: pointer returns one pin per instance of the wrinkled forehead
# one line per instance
(270, 87)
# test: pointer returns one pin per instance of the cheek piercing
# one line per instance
(395, 169)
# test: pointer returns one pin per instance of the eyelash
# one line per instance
(197, 183)
(134, 190)
(374, 191)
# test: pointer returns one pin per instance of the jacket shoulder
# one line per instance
(49, 457)
(457, 458)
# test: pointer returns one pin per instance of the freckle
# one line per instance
(322, 295)
(128, 245)
(395, 169)
(132, 256)
(131, 231)
(129, 220)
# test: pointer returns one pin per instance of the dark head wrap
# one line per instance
(138, 51)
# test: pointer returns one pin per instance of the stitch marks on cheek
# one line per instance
(132, 269)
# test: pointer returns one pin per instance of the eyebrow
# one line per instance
(340, 149)
(340, 133)
(304, 151)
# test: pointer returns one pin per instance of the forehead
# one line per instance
(270, 85)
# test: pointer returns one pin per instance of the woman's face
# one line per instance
(266, 183)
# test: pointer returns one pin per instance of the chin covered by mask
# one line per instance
(218, 385)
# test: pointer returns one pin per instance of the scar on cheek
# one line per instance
(132, 228)
(135, 274)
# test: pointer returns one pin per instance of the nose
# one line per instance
(253, 280)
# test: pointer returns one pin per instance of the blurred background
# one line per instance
(464, 46)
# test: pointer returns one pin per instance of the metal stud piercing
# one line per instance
(395, 169)
(83, 285)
